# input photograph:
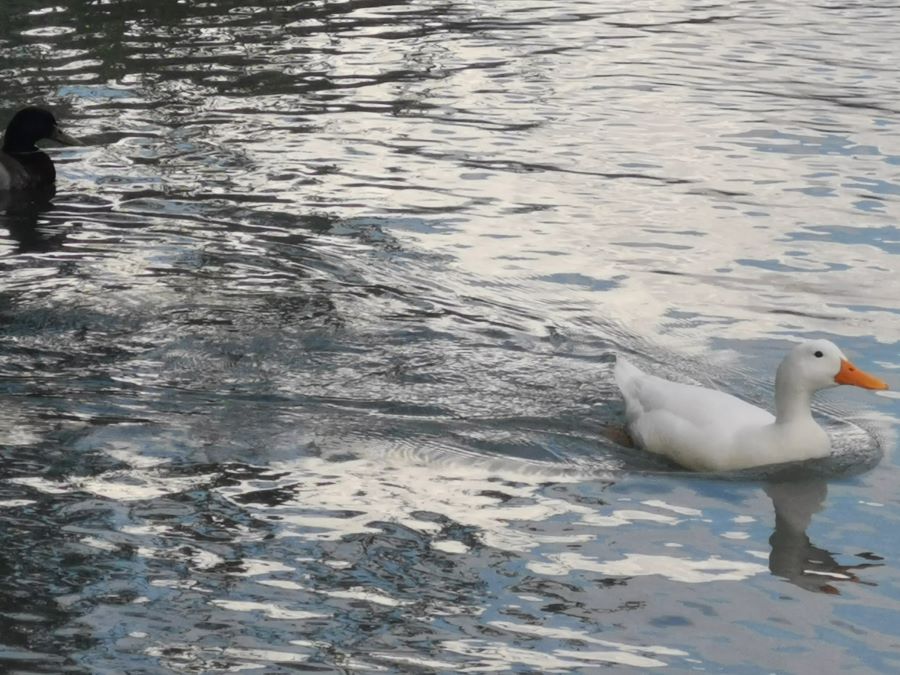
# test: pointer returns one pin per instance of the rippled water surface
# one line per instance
(306, 367)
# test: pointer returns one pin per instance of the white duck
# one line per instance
(708, 430)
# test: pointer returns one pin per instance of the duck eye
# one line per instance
(819, 355)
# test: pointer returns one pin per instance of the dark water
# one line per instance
(306, 367)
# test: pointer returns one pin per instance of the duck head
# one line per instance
(819, 364)
(30, 125)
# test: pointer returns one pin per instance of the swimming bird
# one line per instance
(708, 430)
(24, 166)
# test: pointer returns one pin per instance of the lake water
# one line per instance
(307, 365)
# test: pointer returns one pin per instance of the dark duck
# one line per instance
(24, 166)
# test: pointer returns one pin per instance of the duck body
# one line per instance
(26, 171)
(708, 430)
(24, 166)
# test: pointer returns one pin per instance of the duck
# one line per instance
(24, 166)
(709, 430)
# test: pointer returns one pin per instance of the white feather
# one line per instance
(705, 429)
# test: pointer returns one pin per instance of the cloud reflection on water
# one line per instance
(495, 511)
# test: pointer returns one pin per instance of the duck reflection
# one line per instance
(20, 214)
(793, 555)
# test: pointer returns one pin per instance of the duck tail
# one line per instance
(628, 378)
(625, 373)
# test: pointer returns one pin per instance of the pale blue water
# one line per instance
(307, 366)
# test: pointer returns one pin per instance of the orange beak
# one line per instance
(850, 374)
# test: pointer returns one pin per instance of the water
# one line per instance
(306, 367)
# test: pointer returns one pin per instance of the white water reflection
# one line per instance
(268, 609)
(486, 495)
(671, 567)
(495, 657)
(455, 539)
(503, 502)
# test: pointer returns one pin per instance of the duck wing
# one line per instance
(13, 176)
(695, 426)
(645, 393)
